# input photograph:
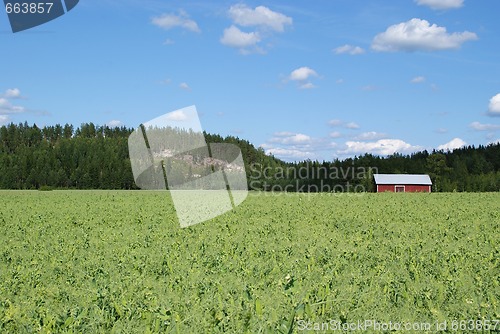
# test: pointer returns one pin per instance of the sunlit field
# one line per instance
(117, 261)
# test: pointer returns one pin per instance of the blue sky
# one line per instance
(303, 79)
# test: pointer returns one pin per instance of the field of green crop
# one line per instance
(117, 261)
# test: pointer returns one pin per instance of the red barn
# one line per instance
(403, 183)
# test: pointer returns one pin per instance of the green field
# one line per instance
(117, 261)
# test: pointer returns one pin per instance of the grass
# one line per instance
(117, 261)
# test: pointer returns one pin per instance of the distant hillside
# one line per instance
(96, 157)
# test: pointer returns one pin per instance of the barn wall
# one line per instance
(408, 188)
(385, 187)
(416, 188)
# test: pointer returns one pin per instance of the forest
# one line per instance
(97, 157)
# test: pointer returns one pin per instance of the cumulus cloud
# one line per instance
(419, 35)
(335, 134)
(372, 135)
(184, 86)
(348, 125)
(349, 49)
(8, 108)
(289, 154)
(379, 147)
(114, 123)
(12, 93)
(441, 4)
(494, 107)
(177, 116)
(259, 16)
(169, 21)
(235, 38)
(352, 126)
(335, 122)
(452, 144)
(418, 79)
(302, 76)
(484, 127)
(294, 146)
(262, 19)
(307, 85)
(290, 138)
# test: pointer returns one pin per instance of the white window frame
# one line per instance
(399, 186)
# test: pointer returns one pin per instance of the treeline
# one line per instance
(97, 157)
(88, 157)
(468, 169)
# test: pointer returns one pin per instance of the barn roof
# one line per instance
(402, 179)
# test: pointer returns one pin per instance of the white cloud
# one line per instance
(4, 119)
(290, 138)
(338, 122)
(352, 125)
(11, 93)
(372, 135)
(380, 147)
(307, 85)
(484, 127)
(419, 79)
(441, 4)
(8, 108)
(184, 86)
(297, 146)
(335, 134)
(303, 74)
(235, 38)
(452, 144)
(114, 123)
(177, 116)
(168, 41)
(419, 35)
(494, 107)
(349, 49)
(335, 122)
(495, 142)
(260, 16)
(288, 154)
(169, 21)
(294, 146)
